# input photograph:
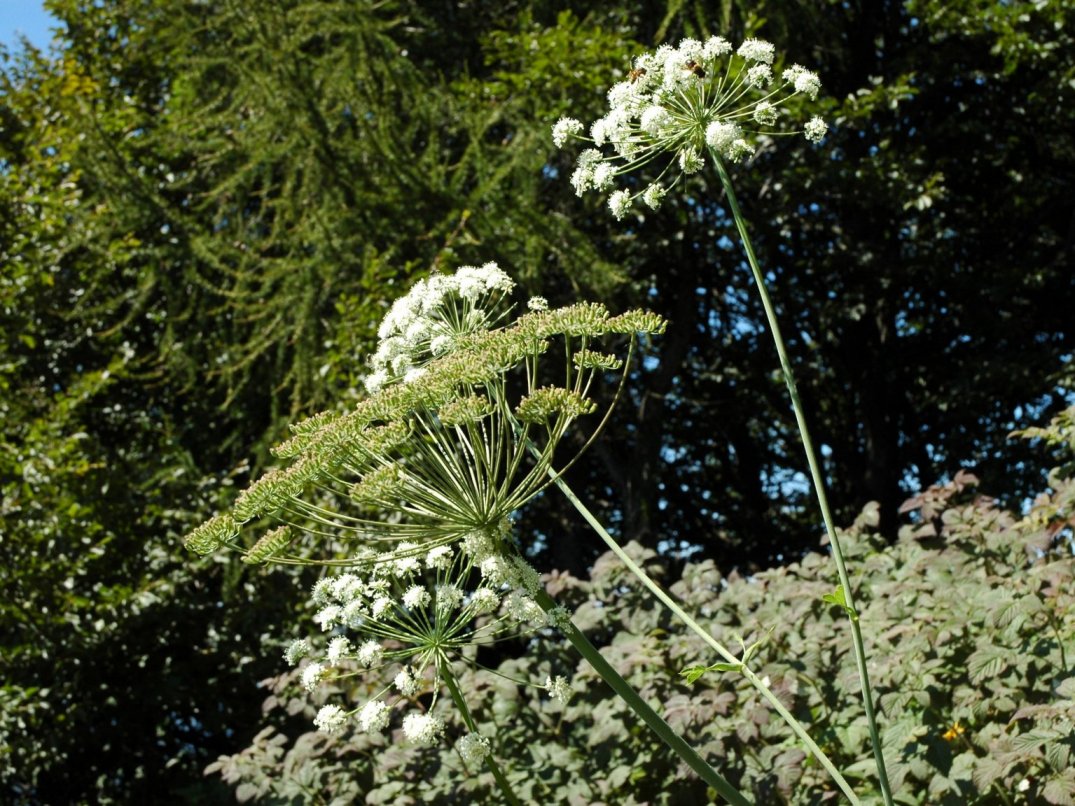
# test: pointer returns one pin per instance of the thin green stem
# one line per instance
(461, 704)
(704, 634)
(652, 719)
(815, 474)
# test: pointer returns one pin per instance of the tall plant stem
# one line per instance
(704, 634)
(461, 704)
(652, 719)
(815, 475)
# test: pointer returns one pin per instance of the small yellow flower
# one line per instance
(953, 732)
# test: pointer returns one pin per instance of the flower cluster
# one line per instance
(408, 616)
(682, 102)
(432, 316)
(425, 475)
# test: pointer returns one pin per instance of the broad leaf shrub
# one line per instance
(970, 625)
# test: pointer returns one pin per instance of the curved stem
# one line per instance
(815, 475)
(704, 634)
(461, 704)
(652, 719)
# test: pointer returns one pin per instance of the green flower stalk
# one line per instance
(677, 106)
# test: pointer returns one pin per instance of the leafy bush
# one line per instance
(970, 624)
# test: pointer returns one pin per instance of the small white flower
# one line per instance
(523, 609)
(296, 651)
(815, 129)
(739, 150)
(757, 50)
(563, 129)
(619, 203)
(537, 304)
(380, 606)
(477, 545)
(374, 716)
(405, 566)
(760, 76)
(670, 104)
(406, 682)
(599, 131)
(322, 591)
(346, 587)
(312, 675)
(690, 161)
(559, 689)
(422, 728)
(765, 113)
(416, 597)
(495, 570)
(327, 617)
(1023, 785)
(720, 135)
(804, 81)
(485, 600)
(449, 597)
(353, 612)
(473, 748)
(439, 558)
(654, 119)
(602, 176)
(331, 719)
(338, 648)
(653, 195)
(715, 47)
(370, 653)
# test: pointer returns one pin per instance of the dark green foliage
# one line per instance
(970, 625)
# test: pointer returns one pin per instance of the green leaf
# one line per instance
(838, 598)
(986, 662)
(693, 673)
(1059, 791)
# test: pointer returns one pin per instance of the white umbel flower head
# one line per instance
(374, 716)
(687, 102)
(815, 129)
(473, 748)
(296, 651)
(338, 648)
(370, 653)
(564, 129)
(416, 597)
(312, 675)
(331, 719)
(559, 689)
(431, 316)
(422, 728)
(406, 682)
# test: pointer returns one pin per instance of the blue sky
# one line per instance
(26, 17)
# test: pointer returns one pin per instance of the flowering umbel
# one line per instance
(682, 102)
(417, 487)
